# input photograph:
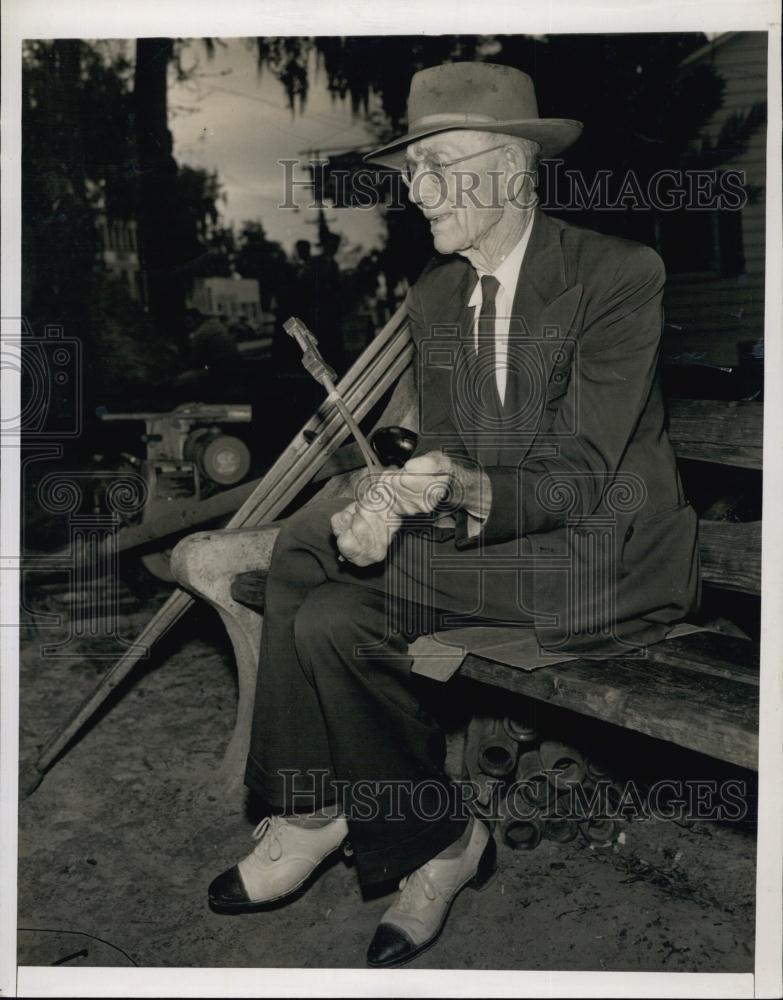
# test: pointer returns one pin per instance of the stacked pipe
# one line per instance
(521, 827)
(603, 795)
(540, 796)
(538, 789)
(492, 748)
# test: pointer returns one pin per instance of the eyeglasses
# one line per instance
(438, 167)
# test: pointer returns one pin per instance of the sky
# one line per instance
(227, 118)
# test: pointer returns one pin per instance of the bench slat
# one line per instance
(712, 715)
(712, 653)
(730, 555)
(709, 430)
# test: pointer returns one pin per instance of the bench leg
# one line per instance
(206, 563)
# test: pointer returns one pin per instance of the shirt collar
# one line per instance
(507, 272)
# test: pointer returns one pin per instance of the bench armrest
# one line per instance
(206, 564)
(207, 561)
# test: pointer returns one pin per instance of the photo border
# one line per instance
(200, 18)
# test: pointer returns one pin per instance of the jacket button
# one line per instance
(629, 534)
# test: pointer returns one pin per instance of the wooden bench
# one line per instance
(697, 690)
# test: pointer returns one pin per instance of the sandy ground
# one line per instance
(124, 834)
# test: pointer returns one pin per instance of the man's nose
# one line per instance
(426, 189)
(414, 190)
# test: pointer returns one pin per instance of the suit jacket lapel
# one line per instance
(542, 275)
(451, 309)
(540, 333)
(449, 322)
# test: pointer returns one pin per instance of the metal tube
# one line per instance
(519, 729)
(531, 778)
(563, 764)
(559, 829)
(599, 831)
(597, 769)
(485, 785)
(226, 413)
(497, 752)
(599, 826)
(521, 834)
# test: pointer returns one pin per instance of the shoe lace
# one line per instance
(412, 885)
(268, 835)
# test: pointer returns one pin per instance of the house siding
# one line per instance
(716, 313)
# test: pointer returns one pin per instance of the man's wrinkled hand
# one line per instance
(365, 528)
(422, 484)
(363, 536)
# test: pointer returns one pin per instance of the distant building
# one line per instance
(715, 258)
(118, 249)
(228, 299)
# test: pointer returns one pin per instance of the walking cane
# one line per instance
(315, 364)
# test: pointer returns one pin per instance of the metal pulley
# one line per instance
(222, 458)
(187, 457)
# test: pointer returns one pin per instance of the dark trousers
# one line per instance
(338, 715)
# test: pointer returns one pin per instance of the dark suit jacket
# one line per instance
(585, 489)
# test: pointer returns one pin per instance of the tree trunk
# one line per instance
(159, 242)
(67, 232)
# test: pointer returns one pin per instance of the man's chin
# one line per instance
(445, 245)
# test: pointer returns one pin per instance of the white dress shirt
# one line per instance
(507, 274)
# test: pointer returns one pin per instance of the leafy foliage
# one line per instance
(265, 260)
(733, 138)
(287, 59)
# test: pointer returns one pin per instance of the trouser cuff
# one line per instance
(291, 790)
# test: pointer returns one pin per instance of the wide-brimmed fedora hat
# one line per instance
(476, 95)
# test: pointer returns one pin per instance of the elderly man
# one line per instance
(543, 471)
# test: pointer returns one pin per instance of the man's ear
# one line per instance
(515, 159)
(514, 164)
(522, 191)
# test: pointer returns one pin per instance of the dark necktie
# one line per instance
(486, 382)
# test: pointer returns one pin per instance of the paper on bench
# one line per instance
(439, 656)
